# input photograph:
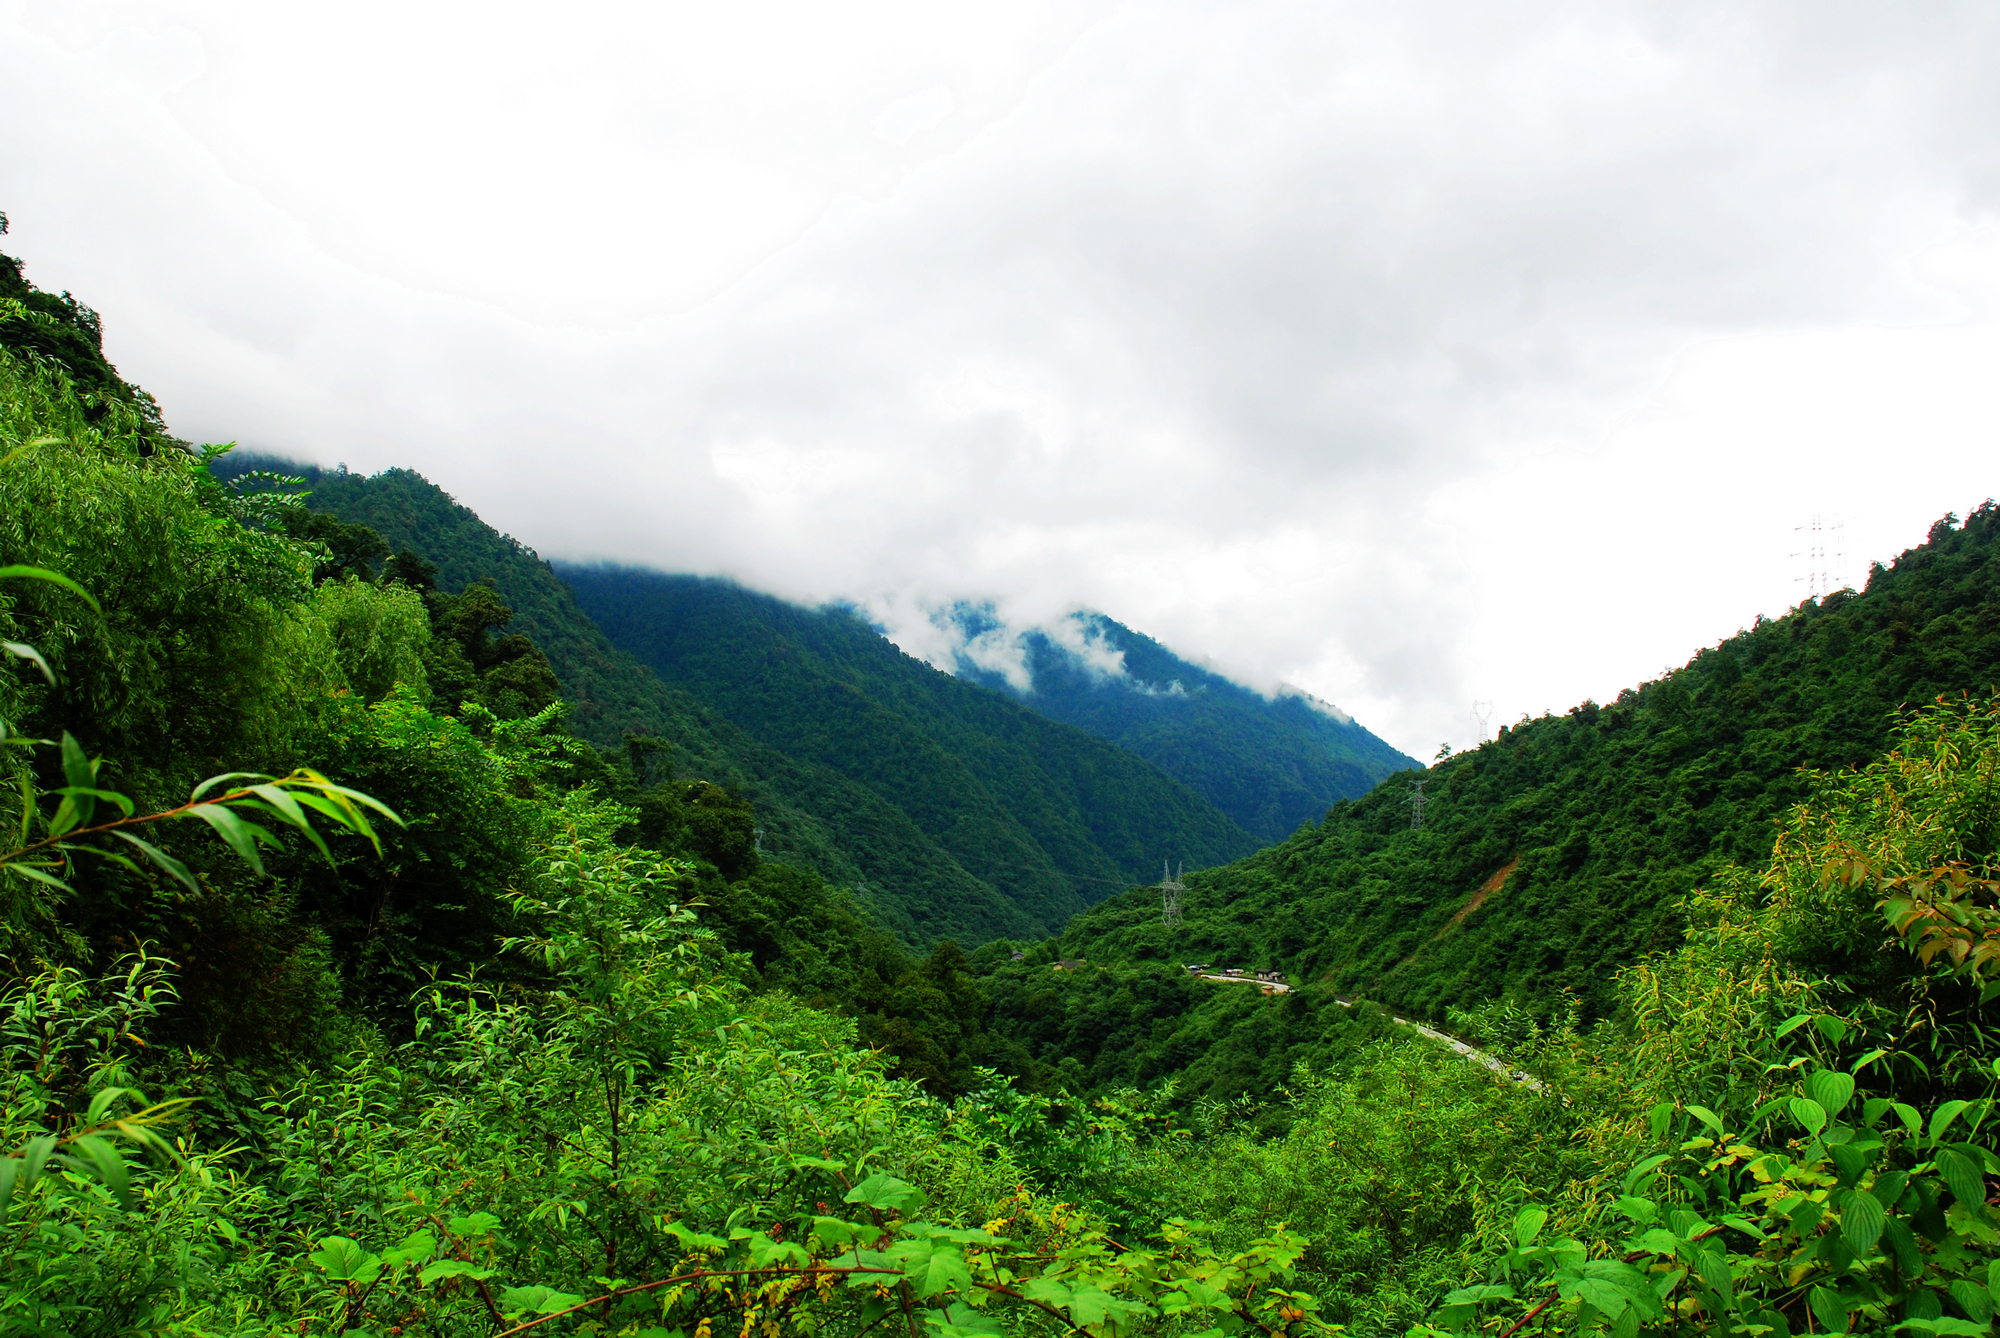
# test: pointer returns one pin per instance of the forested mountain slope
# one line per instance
(1556, 853)
(810, 814)
(1049, 814)
(1270, 764)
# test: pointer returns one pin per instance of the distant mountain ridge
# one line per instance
(972, 819)
(1053, 816)
(1269, 763)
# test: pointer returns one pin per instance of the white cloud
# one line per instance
(1408, 353)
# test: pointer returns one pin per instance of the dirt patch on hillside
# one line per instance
(1486, 889)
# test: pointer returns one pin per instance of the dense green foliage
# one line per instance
(1555, 854)
(1270, 764)
(810, 812)
(1047, 814)
(63, 331)
(444, 1022)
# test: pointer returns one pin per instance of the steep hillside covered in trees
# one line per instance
(1048, 813)
(1269, 763)
(1555, 854)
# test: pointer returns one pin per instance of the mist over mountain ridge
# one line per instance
(1270, 761)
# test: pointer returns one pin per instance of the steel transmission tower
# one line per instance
(1171, 888)
(1482, 713)
(1417, 805)
(1824, 556)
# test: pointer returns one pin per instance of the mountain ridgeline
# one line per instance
(1560, 851)
(1046, 813)
(951, 810)
(1270, 764)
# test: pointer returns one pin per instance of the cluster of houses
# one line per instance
(1274, 982)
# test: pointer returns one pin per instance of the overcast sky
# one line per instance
(1408, 353)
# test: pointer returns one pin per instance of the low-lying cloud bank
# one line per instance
(1408, 353)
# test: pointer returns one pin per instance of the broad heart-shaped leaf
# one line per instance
(886, 1193)
(1972, 1298)
(420, 1246)
(452, 1268)
(1809, 1113)
(477, 1224)
(1827, 1309)
(1831, 1089)
(1528, 1224)
(1967, 1185)
(1606, 1296)
(1088, 1305)
(942, 1271)
(1861, 1219)
(536, 1300)
(1851, 1161)
(345, 1261)
(765, 1252)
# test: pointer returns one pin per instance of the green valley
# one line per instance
(399, 941)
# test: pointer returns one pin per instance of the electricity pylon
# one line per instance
(1171, 888)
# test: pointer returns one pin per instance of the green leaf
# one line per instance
(345, 1261)
(477, 1224)
(195, 795)
(1831, 1089)
(77, 769)
(1638, 1210)
(1707, 1117)
(20, 650)
(1714, 1270)
(1833, 1028)
(1947, 1325)
(104, 1162)
(695, 1240)
(1972, 1299)
(242, 836)
(422, 1245)
(1962, 1176)
(1809, 1113)
(1827, 1309)
(34, 1157)
(1791, 1024)
(1942, 1117)
(1658, 1240)
(1528, 1224)
(36, 874)
(54, 578)
(536, 1300)
(172, 866)
(1861, 1219)
(452, 1268)
(944, 1271)
(886, 1193)
(959, 1319)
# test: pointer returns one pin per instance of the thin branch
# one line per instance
(1522, 1322)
